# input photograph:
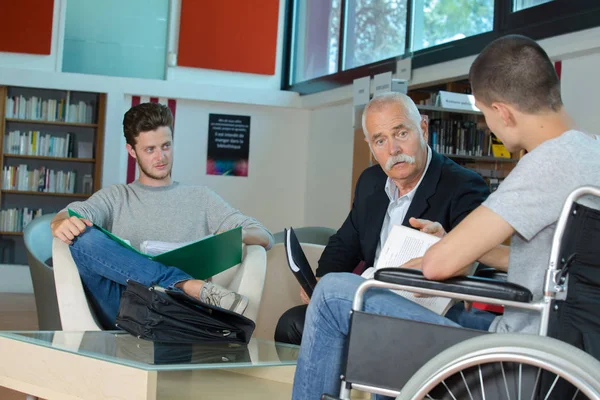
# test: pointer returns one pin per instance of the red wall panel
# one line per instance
(26, 26)
(229, 35)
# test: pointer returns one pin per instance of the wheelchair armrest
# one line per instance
(469, 285)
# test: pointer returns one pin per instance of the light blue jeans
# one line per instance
(105, 266)
(326, 328)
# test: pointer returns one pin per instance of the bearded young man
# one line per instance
(154, 207)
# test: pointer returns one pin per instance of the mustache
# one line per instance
(398, 158)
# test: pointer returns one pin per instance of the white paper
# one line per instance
(383, 83)
(155, 247)
(361, 91)
(459, 101)
(288, 242)
(402, 245)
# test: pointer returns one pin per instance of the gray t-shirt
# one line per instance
(530, 199)
(173, 213)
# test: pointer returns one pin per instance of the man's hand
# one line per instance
(66, 229)
(431, 227)
(304, 296)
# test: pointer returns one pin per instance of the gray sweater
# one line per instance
(173, 213)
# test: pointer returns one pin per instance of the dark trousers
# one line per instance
(290, 325)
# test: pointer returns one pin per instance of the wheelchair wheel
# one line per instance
(507, 366)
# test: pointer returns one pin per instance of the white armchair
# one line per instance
(75, 312)
(247, 278)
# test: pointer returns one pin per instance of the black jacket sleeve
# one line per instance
(467, 197)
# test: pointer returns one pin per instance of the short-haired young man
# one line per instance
(518, 91)
(154, 207)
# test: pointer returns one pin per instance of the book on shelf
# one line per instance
(52, 110)
(498, 149)
(402, 245)
(201, 258)
(36, 143)
(458, 137)
(38, 180)
(493, 183)
(16, 219)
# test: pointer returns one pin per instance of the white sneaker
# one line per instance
(216, 295)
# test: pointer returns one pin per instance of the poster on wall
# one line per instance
(228, 145)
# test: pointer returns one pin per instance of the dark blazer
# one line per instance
(447, 194)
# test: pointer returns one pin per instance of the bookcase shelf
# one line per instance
(72, 160)
(454, 131)
(32, 193)
(11, 233)
(422, 107)
(66, 159)
(59, 123)
(481, 158)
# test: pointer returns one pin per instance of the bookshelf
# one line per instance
(462, 135)
(51, 154)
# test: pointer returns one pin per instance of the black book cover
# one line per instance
(298, 263)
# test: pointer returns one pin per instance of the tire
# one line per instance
(497, 351)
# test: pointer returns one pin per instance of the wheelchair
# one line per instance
(457, 363)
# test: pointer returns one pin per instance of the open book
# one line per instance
(201, 259)
(402, 245)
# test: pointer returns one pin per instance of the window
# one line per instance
(375, 30)
(333, 42)
(441, 21)
(131, 42)
(316, 40)
(519, 5)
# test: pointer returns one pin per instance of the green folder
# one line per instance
(200, 259)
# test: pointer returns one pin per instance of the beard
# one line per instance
(150, 174)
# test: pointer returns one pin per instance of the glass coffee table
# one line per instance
(116, 365)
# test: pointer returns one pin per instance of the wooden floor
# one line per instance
(17, 313)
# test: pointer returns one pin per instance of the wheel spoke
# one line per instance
(551, 387)
(467, 385)
(505, 382)
(448, 389)
(520, 380)
(537, 379)
(575, 395)
(481, 381)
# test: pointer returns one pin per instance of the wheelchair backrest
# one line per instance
(576, 319)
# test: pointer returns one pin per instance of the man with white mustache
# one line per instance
(412, 185)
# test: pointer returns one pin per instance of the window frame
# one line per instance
(554, 18)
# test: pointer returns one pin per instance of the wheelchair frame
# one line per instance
(555, 288)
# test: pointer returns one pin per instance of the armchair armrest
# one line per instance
(75, 311)
(248, 278)
(468, 285)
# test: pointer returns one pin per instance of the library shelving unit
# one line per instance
(51, 154)
(462, 135)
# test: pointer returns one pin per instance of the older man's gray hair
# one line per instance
(408, 106)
